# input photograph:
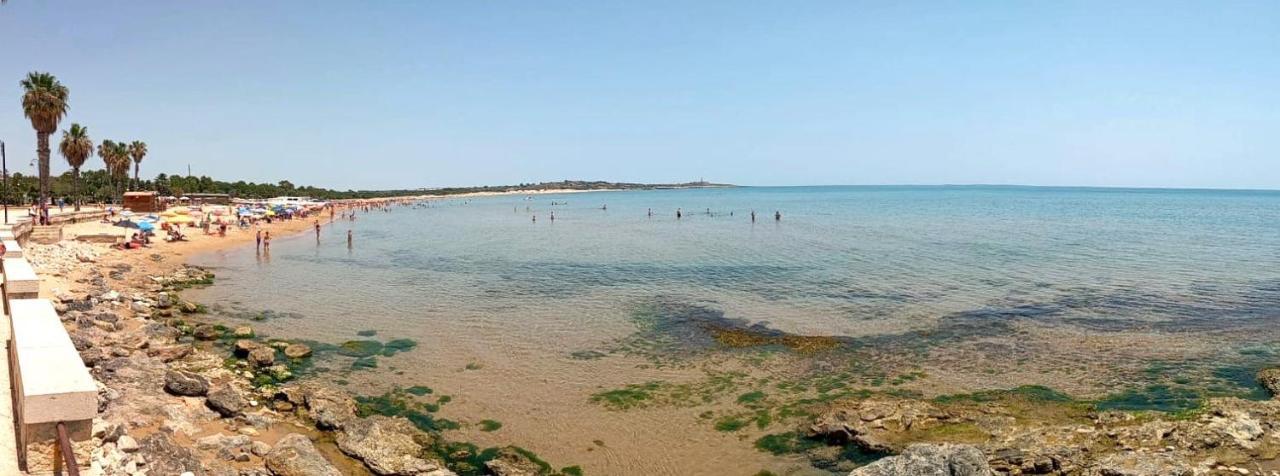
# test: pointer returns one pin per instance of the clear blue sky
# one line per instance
(432, 93)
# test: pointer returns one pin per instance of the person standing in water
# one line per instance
(650, 213)
(266, 241)
(777, 216)
(348, 239)
(753, 216)
(317, 231)
(678, 214)
(553, 216)
(258, 245)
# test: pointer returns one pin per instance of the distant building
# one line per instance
(208, 198)
(142, 202)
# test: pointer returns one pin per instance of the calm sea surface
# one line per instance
(504, 308)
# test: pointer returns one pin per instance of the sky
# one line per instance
(381, 95)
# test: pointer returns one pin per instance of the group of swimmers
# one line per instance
(777, 214)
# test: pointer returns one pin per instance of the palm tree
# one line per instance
(107, 151)
(138, 150)
(121, 158)
(44, 102)
(76, 147)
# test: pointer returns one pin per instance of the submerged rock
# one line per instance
(297, 351)
(930, 460)
(511, 462)
(185, 384)
(294, 455)
(1270, 380)
(388, 446)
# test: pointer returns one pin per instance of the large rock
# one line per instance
(226, 401)
(207, 332)
(185, 384)
(331, 409)
(388, 446)
(297, 351)
(509, 462)
(873, 423)
(243, 347)
(262, 356)
(1137, 464)
(169, 353)
(930, 460)
(164, 456)
(294, 455)
(1270, 380)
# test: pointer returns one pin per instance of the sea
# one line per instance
(623, 334)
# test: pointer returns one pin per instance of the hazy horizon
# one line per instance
(428, 95)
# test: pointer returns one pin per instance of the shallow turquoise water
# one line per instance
(1142, 299)
(840, 258)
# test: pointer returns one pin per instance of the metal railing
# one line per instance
(66, 455)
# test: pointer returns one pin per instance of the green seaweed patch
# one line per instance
(730, 424)
(1036, 393)
(490, 425)
(587, 355)
(472, 366)
(398, 345)
(398, 403)
(367, 333)
(631, 396)
(574, 470)
(791, 443)
(419, 390)
(365, 363)
(360, 348)
(1161, 398)
(751, 398)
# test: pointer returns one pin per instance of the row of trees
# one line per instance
(102, 186)
(44, 102)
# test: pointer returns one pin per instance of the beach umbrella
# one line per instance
(126, 224)
(179, 219)
(146, 226)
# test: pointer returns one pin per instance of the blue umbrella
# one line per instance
(146, 226)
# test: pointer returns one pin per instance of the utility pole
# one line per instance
(4, 169)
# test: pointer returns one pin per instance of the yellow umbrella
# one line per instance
(179, 219)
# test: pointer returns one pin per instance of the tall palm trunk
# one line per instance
(137, 184)
(42, 149)
(75, 185)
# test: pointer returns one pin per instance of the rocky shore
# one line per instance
(173, 400)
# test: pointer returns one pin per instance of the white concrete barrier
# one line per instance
(21, 281)
(11, 248)
(52, 385)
